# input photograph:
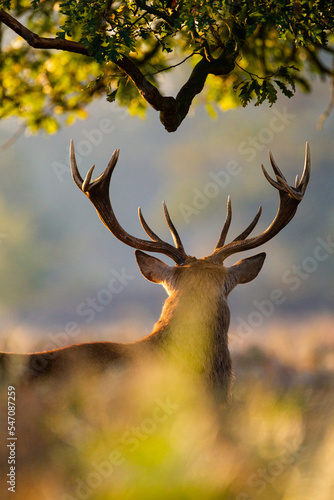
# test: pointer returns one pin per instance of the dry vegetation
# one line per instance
(157, 434)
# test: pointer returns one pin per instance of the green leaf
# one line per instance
(111, 96)
(271, 93)
(5, 4)
(287, 92)
(245, 94)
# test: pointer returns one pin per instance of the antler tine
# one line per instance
(147, 228)
(175, 234)
(250, 228)
(98, 193)
(227, 224)
(103, 179)
(290, 198)
(106, 175)
(74, 167)
(307, 170)
(281, 181)
(275, 168)
(281, 185)
(88, 177)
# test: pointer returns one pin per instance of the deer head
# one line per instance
(197, 288)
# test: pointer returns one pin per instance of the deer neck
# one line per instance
(193, 328)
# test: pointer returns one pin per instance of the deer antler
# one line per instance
(98, 193)
(290, 197)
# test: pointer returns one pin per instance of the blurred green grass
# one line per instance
(155, 433)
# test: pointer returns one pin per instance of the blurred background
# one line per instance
(96, 438)
(55, 253)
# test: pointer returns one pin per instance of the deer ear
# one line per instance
(246, 270)
(152, 269)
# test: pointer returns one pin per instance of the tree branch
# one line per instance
(147, 90)
(150, 9)
(38, 42)
(330, 106)
(220, 66)
(172, 111)
(321, 66)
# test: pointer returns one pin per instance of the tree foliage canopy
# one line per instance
(77, 50)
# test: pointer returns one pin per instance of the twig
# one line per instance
(323, 117)
(173, 65)
(14, 137)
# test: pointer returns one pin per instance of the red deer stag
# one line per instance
(194, 322)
